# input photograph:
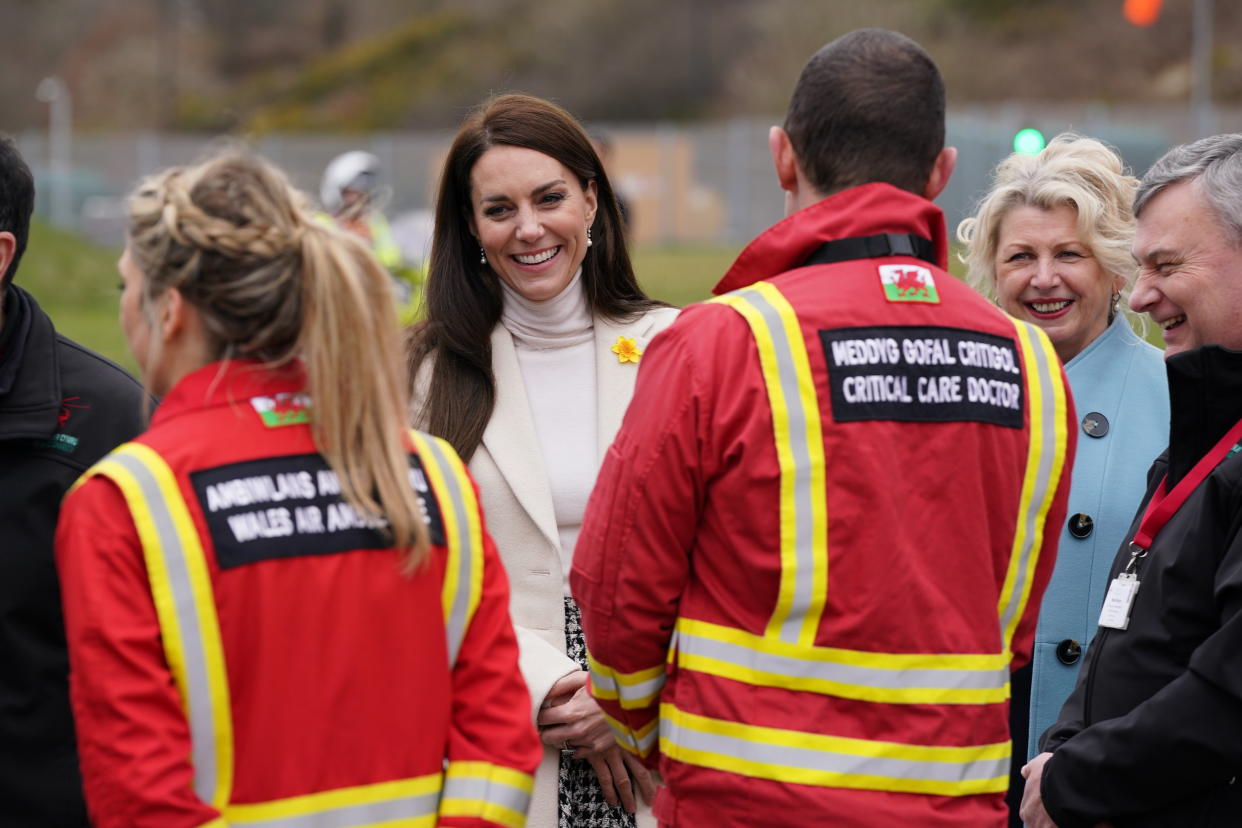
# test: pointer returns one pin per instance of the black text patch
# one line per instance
(923, 374)
(283, 507)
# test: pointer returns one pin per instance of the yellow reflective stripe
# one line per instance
(403, 802)
(1044, 465)
(185, 606)
(891, 678)
(633, 690)
(797, 431)
(463, 529)
(638, 743)
(215, 823)
(832, 761)
(486, 791)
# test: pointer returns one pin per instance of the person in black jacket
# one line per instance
(1152, 734)
(62, 407)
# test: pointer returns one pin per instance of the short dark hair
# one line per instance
(17, 195)
(869, 106)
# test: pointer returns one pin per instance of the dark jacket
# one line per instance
(1152, 734)
(62, 407)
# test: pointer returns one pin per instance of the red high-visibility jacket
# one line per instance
(245, 650)
(817, 547)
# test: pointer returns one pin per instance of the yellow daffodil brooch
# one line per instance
(627, 350)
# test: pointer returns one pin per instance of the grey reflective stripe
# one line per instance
(198, 688)
(851, 674)
(641, 691)
(642, 745)
(487, 790)
(804, 537)
(352, 816)
(456, 620)
(1043, 476)
(602, 681)
(833, 762)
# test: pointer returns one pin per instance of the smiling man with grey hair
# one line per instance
(1149, 736)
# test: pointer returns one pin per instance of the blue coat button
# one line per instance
(1095, 424)
(1080, 525)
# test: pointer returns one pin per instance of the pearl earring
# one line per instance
(588, 237)
(482, 255)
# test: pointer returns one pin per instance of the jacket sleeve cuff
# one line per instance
(541, 665)
(1048, 793)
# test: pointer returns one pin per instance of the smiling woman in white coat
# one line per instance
(534, 333)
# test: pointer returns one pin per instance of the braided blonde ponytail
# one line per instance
(238, 242)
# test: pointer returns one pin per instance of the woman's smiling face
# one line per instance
(530, 215)
(1046, 274)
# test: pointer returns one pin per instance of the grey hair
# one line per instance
(1217, 164)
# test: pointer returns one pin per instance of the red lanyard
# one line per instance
(1164, 504)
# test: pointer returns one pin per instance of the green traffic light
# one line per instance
(1029, 141)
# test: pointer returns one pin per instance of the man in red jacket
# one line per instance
(817, 547)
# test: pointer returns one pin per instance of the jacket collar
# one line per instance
(858, 211)
(228, 382)
(1118, 332)
(31, 406)
(1205, 399)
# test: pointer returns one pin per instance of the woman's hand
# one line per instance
(619, 773)
(570, 719)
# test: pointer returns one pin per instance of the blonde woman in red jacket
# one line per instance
(282, 607)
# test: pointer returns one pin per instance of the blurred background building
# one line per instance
(684, 88)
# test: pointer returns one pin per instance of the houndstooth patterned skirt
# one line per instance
(581, 801)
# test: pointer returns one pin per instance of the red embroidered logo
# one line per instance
(66, 409)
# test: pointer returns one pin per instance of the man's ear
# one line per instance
(941, 172)
(783, 159)
(8, 249)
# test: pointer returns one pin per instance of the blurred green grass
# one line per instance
(76, 283)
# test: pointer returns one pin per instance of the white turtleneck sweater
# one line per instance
(555, 344)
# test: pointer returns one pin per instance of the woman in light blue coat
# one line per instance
(1051, 242)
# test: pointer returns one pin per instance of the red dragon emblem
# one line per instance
(909, 284)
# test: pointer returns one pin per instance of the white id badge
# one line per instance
(1117, 603)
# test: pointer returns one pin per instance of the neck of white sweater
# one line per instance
(558, 322)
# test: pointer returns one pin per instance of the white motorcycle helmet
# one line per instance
(354, 170)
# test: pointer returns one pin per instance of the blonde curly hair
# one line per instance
(1073, 171)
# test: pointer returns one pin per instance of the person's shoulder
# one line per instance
(660, 318)
(694, 321)
(101, 403)
(92, 370)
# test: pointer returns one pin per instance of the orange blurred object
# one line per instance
(1142, 12)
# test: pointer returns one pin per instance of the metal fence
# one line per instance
(708, 183)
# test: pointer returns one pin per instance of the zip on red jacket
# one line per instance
(245, 650)
(817, 547)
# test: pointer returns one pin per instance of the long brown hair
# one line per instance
(463, 296)
(234, 238)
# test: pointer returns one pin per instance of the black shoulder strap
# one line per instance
(873, 247)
